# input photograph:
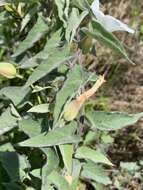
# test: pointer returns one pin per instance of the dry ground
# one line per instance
(125, 89)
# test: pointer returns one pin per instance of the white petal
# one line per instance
(112, 24)
(100, 17)
(108, 22)
(95, 6)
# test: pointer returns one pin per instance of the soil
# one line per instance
(125, 87)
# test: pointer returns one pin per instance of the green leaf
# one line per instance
(39, 29)
(15, 93)
(82, 4)
(59, 181)
(49, 187)
(16, 169)
(97, 186)
(41, 108)
(28, 16)
(91, 137)
(76, 170)
(6, 147)
(36, 173)
(54, 137)
(63, 7)
(7, 122)
(96, 173)
(50, 46)
(129, 166)
(30, 127)
(51, 164)
(71, 85)
(12, 186)
(106, 38)
(67, 153)
(111, 120)
(73, 23)
(54, 61)
(94, 155)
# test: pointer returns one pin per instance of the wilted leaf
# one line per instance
(111, 120)
(93, 155)
(54, 137)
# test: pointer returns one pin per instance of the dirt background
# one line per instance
(124, 91)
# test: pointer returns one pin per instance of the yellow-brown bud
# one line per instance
(7, 70)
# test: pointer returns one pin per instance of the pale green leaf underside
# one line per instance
(41, 108)
(30, 127)
(96, 173)
(59, 181)
(67, 153)
(94, 155)
(51, 164)
(7, 122)
(15, 93)
(111, 120)
(63, 135)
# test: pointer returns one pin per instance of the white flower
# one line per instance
(108, 22)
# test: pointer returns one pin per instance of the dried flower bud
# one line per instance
(73, 108)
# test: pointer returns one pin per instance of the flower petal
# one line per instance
(95, 6)
(108, 22)
(112, 24)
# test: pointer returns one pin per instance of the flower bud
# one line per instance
(71, 110)
(7, 70)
